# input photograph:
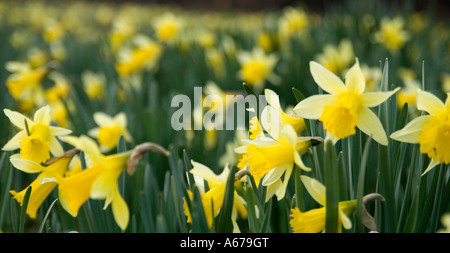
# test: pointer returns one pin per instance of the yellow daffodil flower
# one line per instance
(445, 219)
(93, 83)
(110, 129)
(98, 181)
(430, 131)
(215, 195)
(313, 221)
(38, 140)
(392, 34)
(346, 106)
(257, 67)
(145, 55)
(41, 187)
(24, 81)
(268, 158)
(168, 27)
(293, 22)
(337, 59)
(122, 29)
(373, 77)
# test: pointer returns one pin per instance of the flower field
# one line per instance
(143, 118)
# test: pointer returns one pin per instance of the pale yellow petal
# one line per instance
(58, 131)
(298, 161)
(312, 107)
(121, 119)
(410, 133)
(42, 116)
(315, 189)
(90, 147)
(326, 79)
(354, 79)
(272, 98)
(25, 165)
(274, 174)
(371, 99)
(55, 147)
(369, 123)
(120, 211)
(273, 189)
(432, 164)
(17, 119)
(346, 222)
(103, 119)
(204, 172)
(428, 102)
(14, 142)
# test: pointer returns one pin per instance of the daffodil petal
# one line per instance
(88, 146)
(371, 125)
(299, 162)
(346, 222)
(120, 211)
(273, 189)
(428, 102)
(354, 79)
(326, 79)
(272, 98)
(55, 147)
(371, 99)
(204, 172)
(315, 189)
(274, 174)
(121, 119)
(25, 165)
(103, 119)
(14, 142)
(58, 131)
(42, 116)
(432, 164)
(410, 133)
(312, 107)
(17, 119)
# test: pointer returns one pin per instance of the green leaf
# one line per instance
(224, 224)
(298, 95)
(41, 227)
(23, 210)
(332, 189)
(360, 188)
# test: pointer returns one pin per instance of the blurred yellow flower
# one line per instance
(122, 29)
(257, 67)
(430, 131)
(53, 30)
(293, 22)
(144, 56)
(93, 84)
(109, 130)
(392, 34)
(25, 81)
(167, 27)
(215, 195)
(313, 221)
(36, 138)
(337, 59)
(347, 105)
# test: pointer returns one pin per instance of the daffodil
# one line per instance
(36, 138)
(269, 157)
(346, 106)
(215, 195)
(25, 81)
(144, 56)
(293, 22)
(392, 34)
(97, 181)
(430, 131)
(445, 218)
(122, 30)
(93, 83)
(109, 130)
(168, 27)
(337, 58)
(257, 67)
(41, 187)
(313, 221)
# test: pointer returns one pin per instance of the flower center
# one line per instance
(261, 159)
(312, 221)
(109, 136)
(341, 118)
(35, 147)
(254, 72)
(435, 137)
